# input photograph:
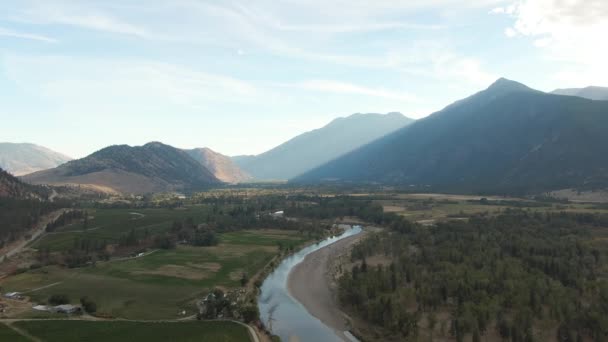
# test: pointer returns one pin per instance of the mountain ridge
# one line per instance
(493, 139)
(318, 146)
(23, 158)
(590, 92)
(152, 167)
(222, 167)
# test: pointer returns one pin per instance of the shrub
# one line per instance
(88, 305)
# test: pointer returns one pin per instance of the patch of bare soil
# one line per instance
(393, 208)
(11, 308)
(176, 271)
(236, 274)
(207, 266)
(598, 196)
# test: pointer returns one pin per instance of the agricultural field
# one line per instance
(161, 284)
(110, 224)
(430, 208)
(72, 330)
(8, 334)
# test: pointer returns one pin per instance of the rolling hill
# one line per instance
(153, 167)
(591, 93)
(314, 148)
(506, 138)
(12, 187)
(222, 167)
(21, 159)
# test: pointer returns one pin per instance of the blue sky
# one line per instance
(243, 76)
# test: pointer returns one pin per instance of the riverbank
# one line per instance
(311, 283)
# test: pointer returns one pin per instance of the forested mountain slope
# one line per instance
(150, 168)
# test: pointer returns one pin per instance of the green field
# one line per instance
(162, 284)
(8, 334)
(67, 331)
(110, 224)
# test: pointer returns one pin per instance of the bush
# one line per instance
(88, 305)
(244, 279)
(250, 313)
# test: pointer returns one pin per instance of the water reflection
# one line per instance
(284, 315)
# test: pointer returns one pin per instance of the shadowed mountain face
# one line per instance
(591, 93)
(314, 148)
(21, 159)
(506, 137)
(12, 187)
(222, 167)
(150, 168)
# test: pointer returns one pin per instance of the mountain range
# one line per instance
(505, 137)
(24, 158)
(153, 167)
(314, 148)
(591, 93)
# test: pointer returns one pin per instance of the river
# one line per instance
(284, 315)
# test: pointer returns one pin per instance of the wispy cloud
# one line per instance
(119, 85)
(82, 16)
(338, 87)
(24, 35)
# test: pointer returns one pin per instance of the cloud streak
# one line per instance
(23, 35)
(338, 87)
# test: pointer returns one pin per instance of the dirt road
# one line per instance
(35, 233)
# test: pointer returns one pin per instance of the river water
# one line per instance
(283, 314)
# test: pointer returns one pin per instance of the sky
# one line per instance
(241, 77)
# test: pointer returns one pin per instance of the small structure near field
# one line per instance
(42, 308)
(13, 295)
(277, 214)
(67, 309)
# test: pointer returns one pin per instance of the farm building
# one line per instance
(41, 308)
(67, 309)
(13, 295)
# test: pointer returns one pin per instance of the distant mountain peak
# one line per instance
(507, 137)
(155, 144)
(23, 158)
(503, 84)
